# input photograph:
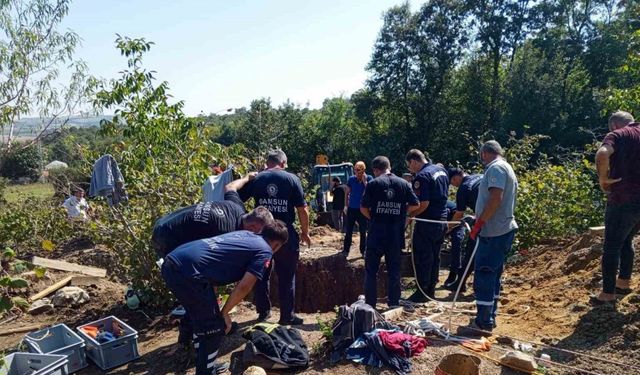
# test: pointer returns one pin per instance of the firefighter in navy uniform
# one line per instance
(431, 185)
(385, 203)
(281, 193)
(204, 220)
(192, 270)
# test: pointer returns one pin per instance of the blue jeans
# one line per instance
(489, 258)
(427, 241)
(622, 222)
(286, 265)
(384, 240)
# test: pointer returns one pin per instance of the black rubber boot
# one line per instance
(453, 276)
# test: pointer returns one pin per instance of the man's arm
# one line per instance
(303, 216)
(237, 295)
(239, 183)
(366, 212)
(412, 208)
(420, 209)
(603, 157)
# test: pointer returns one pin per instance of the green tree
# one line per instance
(24, 162)
(32, 53)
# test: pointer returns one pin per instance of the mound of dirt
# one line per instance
(555, 281)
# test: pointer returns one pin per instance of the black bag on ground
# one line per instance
(351, 323)
(272, 347)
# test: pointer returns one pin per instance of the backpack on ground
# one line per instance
(352, 322)
(272, 347)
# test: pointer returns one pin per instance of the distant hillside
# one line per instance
(29, 127)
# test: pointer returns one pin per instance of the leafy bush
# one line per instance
(21, 162)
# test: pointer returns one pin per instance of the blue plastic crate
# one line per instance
(59, 339)
(34, 364)
(113, 353)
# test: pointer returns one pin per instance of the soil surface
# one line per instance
(545, 300)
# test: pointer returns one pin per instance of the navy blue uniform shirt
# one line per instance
(387, 197)
(203, 220)
(467, 194)
(431, 183)
(280, 192)
(223, 259)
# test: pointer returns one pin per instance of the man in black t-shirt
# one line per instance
(207, 219)
(281, 193)
(338, 212)
(385, 202)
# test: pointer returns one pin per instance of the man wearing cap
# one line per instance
(355, 189)
(431, 185)
(466, 198)
(618, 165)
(494, 229)
(385, 202)
(281, 193)
(192, 270)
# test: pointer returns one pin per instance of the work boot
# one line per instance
(453, 276)
(264, 316)
(474, 330)
(418, 297)
(220, 368)
(294, 321)
(454, 286)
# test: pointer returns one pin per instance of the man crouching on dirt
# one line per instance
(192, 270)
(494, 230)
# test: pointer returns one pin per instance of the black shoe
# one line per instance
(595, 301)
(474, 330)
(454, 287)
(264, 316)
(453, 275)
(220, 367)
(418, 297)
(294, 321)
(623, 291)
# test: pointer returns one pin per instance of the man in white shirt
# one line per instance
(76, 206)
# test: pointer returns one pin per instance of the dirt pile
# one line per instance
(555, 281)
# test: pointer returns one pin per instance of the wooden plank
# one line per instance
(85, 280)
(51, 289)
(19, 330)
(71, 267)
(598, 231)
(393, 313)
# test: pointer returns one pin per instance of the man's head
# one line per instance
(215, 169)
(455, 176)
(255, 220)
(380, 165)
(415, 160)
(490, 151)
(79, 193)
(360, 168)
(336, 181)
(276, 158)
(619, 120)
(276, 234)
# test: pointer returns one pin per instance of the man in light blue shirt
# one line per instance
(494, 231)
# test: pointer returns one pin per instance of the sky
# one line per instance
(223, 54)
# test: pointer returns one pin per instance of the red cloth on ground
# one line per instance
(403, 344)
